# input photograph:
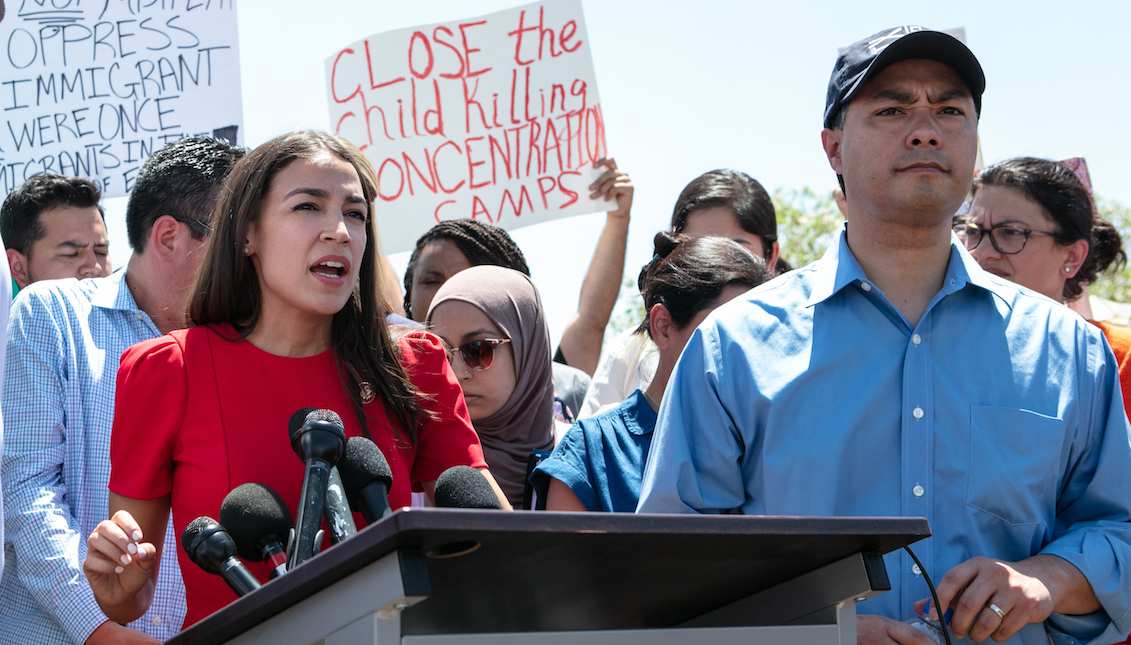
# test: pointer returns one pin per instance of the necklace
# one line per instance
(652, 402)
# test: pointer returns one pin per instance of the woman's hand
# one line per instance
(613, 184)
(118, 563)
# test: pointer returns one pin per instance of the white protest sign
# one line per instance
(496, 118)
(93, 87)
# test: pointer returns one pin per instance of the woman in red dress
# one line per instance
(286, 316)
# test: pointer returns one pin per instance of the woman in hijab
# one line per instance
(492, 320)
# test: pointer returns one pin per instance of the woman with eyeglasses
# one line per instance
(286, 317)
(1033, 222)
(492, 320)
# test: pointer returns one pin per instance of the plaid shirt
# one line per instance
(65, 338)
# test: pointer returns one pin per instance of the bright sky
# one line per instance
(690, 87)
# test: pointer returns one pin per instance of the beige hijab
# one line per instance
(526, 420)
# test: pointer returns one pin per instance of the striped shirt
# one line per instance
(65, 338)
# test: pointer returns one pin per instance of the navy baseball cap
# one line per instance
(866, 58)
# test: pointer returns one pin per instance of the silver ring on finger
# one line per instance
(997, 610)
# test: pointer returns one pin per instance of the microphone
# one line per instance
(465, 487)
(336, 510)
(319, 439)
(367, 477)
(260, 523)
(212, 549)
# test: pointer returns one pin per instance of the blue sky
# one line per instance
(689, 87)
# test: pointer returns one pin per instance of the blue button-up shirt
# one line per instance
(65, 338)
(601, 459)
(997, 417)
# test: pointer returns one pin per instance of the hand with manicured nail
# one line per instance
(118, 564)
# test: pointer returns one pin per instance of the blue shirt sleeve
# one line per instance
(689, 470)
(569, 465)
(41, 529)
(1093, 526)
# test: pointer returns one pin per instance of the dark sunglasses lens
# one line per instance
(478, 354)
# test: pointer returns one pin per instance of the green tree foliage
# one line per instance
(807, 223)
(1115, 284)
(628, 312)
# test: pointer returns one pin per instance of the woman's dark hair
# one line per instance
(227, 287)
(1063, 197)
(737, 191)
(687, 275)
(480, 243)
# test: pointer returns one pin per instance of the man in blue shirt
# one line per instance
(895, 377)
(65, 339)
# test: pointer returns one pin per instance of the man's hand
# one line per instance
(110, 633)
(612, 184)
(1026, 592)
(878, 630)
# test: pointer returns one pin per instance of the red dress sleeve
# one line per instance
(149, 408)
(449, 439)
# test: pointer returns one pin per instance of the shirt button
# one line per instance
(916, 339)
(918, 490)
(916, 570)
(917, 413)
(156, 620)
(865, 286)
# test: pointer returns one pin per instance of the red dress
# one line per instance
(196, 415)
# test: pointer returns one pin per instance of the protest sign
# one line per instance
(93, 87)
(496, 118)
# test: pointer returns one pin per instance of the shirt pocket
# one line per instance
(1014, 464)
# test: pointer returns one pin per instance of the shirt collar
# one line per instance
(113, 293)
(643, 412)
(838, 269)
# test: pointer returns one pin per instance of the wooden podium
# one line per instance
(466, 577)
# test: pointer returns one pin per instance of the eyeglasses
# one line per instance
(479, 354)
(195, 225)
(1006, 239)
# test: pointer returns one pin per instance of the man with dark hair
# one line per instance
(54, 228)
(895, 377)
(64, 342)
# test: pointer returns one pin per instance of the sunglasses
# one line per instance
(195, 225)
(479, 354)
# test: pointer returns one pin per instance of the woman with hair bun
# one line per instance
(720, 203)
(599, 463)
(1033, 222)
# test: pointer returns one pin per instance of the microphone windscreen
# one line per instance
(329, 416)
(193, 530)
(298, 419)
(304, 416)
(464, 487)
(254, 514)
(362, 464)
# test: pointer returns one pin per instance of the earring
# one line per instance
(247, 251)
(1068, 269)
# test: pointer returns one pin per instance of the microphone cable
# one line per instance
(934, 594)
